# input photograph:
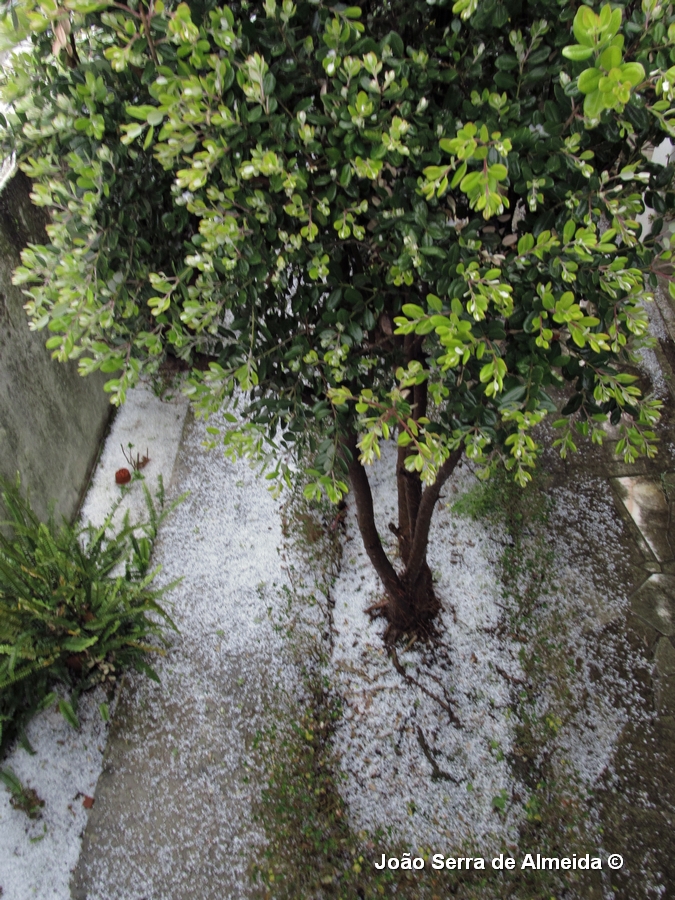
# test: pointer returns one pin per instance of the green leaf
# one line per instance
(633, 72)
(525, 244)
(528, 324)
(334, 299)
(68, 713)
(471, 181)
(610, 58)
(584, 26)
(396, 44)
(589, 80)
(131, 132)
(78, 644)
(459, 174)
(487, 372)
(614, 20)
(506, 62)
(10, 781)
(113, 364)
(140, 112)
(413, 311)
(512, 396)
(47, 700)
(577, 53)
(594, 105)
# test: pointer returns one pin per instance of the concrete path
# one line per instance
(173, 811)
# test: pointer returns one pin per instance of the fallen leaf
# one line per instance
(88, 802)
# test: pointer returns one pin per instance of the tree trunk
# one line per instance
(411, 603)
(404, 530)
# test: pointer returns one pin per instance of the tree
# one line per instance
(405, 220)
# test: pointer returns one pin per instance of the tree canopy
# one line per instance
(401, 219)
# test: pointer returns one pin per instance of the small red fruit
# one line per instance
(122, 476)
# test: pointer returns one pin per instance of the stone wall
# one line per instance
(51, 419)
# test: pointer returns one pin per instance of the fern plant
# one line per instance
(77, 606)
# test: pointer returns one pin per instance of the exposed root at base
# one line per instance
(401, 671)
(378, 610)
(437, 774)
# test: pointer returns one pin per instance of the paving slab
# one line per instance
(665, 657)
(654, 603)
(665, 696)
(646, 503)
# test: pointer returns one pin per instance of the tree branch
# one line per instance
(365, 515)
(404, 531)
(418, 551)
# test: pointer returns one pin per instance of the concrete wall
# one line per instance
(51, 419)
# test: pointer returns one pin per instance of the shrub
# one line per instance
(77, 607)
(406, 219)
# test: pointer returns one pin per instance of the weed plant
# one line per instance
(21, 797)
(77, 607)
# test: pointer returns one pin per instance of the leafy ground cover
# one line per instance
(77, 607)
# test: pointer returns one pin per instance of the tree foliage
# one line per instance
(405, 219)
